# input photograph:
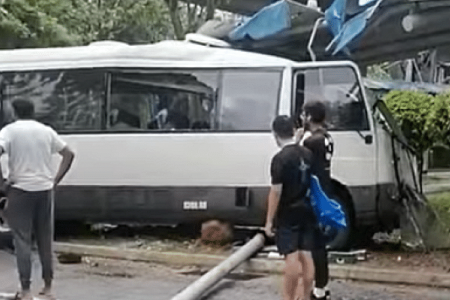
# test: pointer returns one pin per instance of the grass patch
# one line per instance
(441, 204)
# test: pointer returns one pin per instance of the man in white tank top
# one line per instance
(30, 147)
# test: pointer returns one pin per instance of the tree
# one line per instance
(24, 24)
(424, 119)
(187, 17)
(130, 21)
(438, 121)
(45, 23)
(412, 110)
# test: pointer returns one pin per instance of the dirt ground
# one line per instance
(390, 256)
(434, 262)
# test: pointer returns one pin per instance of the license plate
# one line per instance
(195, 205)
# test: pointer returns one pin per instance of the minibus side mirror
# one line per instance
(368, 139)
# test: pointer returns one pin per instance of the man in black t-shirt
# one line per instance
(289, 207)
(317, 139)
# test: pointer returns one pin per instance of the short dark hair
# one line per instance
(283, 126)
(24, 109)
(317, 111)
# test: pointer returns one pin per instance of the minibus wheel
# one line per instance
(71, 228)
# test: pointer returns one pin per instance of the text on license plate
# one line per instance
(195, 205)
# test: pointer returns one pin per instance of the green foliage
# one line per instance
(187, 17)
(441, 204)
(45, 23)
(130, 21)
(378, 72)
(412, 109)
(424, 119)
(438, 122)
(23, 24)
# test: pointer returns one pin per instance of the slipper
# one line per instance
(46, 296)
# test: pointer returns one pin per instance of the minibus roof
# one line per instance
(166, 54)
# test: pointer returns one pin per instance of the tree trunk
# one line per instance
(420, 172)
(175, 17)
(210, 9)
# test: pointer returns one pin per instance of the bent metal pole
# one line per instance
(196, 289)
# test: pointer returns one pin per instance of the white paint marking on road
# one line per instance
(4, 229)
(7, 296)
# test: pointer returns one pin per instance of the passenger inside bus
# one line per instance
(176, 120)
(160, 102)
(199, 125)
(121, 119)
(182, 111)
(125, 115)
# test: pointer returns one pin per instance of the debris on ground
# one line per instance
(421, 227)
(386, 250)
(69, 258)
(427, 262)
(159, 239)
(215, 232)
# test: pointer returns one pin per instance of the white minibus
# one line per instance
(178, 132)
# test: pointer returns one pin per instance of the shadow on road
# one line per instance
(218, 288)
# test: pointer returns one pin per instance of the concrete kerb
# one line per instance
(255, 265)
(436, 188)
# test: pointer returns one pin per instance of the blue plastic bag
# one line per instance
(269, 21)
(345, 27)
(329, 212)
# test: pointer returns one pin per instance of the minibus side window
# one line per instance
(164, 101)
(249, 99)
(68, 100)
(7, 112)
(339, 89)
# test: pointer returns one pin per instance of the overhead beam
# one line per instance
(242, 7)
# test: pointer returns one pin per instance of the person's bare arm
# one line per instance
(272, 207)
(67, 159)
(298, 136)
(2, 179)
(4, 146)
(4, 184)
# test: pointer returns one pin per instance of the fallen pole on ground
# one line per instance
(201, 285)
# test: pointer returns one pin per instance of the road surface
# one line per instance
(100, 279)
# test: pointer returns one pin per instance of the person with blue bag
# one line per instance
(316, 138)
(290, 211)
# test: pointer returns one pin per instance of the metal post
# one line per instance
(311, 38)
(196, 289)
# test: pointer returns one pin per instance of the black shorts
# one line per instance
(291, 238)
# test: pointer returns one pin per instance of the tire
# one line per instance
(341, 239)
(364, 236)
(6, 239)
(71, 228)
